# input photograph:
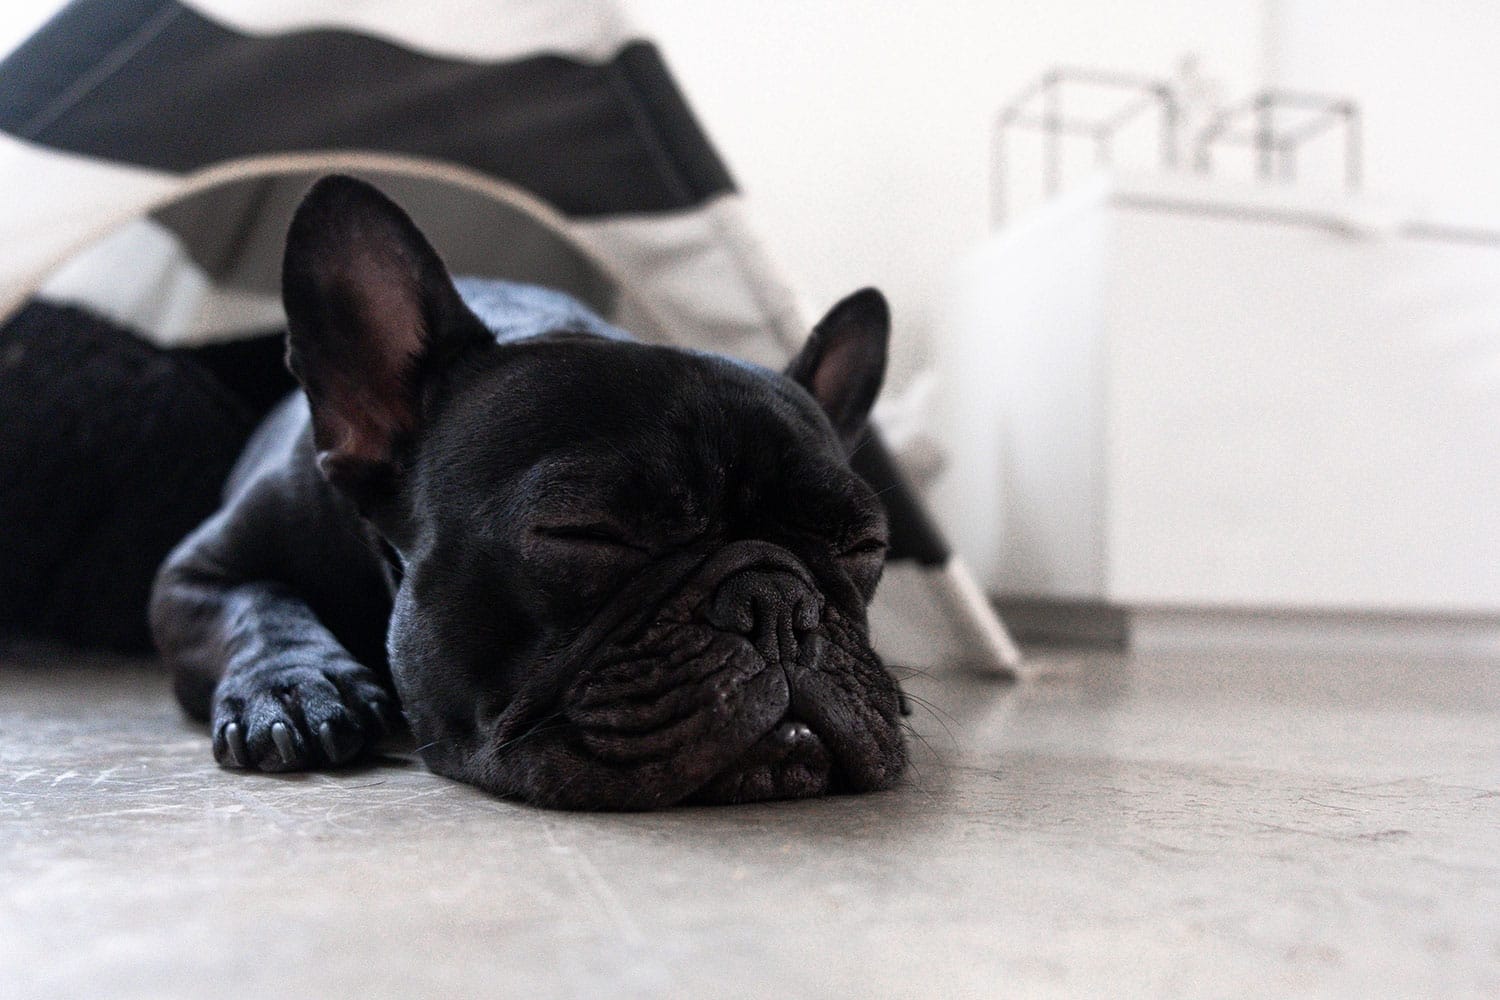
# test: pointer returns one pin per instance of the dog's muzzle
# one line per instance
(749, 682)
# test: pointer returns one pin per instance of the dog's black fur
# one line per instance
(590, 572)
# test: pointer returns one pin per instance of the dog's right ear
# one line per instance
(843, 362)
(370, 309)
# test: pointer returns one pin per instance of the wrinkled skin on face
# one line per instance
(673, 611)
(625, 576)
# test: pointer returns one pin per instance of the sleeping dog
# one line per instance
(589, 572)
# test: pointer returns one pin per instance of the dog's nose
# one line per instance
(775, 610)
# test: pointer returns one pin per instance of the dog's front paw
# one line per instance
(294, 717)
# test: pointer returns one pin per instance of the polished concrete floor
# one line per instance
(1154, 826)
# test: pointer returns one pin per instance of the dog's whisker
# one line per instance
(542, 725)
(918, 780)
(939, 714)
(863, 444)
(921, 739)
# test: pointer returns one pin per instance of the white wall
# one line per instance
(860, 128)
(1428, 78)
(19, 18)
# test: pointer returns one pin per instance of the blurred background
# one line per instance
(1205, 333)
(1236, 399)
(861, 131)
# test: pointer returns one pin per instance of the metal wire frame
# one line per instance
(1276, 149)
(1040, 107)
(1054, 124)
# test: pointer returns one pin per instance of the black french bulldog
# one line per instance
(592, 573)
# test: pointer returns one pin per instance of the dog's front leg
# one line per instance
(251, 657)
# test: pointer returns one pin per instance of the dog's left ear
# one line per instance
(371, 312)
(843, 362)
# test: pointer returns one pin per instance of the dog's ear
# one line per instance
(843, 362)
(370, 309)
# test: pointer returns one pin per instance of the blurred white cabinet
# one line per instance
(1167, 393)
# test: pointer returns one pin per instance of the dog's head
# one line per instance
(629, 575)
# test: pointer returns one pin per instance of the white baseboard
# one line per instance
(1314, 632)
(1160, 628)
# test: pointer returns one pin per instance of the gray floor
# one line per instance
(1152, 826)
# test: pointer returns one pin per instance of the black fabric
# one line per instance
(111, 451)
(153, 83)
(913, 535)
(252, 368)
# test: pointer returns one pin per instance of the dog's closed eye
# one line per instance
(587, 534)
(870, 546)
(863, 560)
